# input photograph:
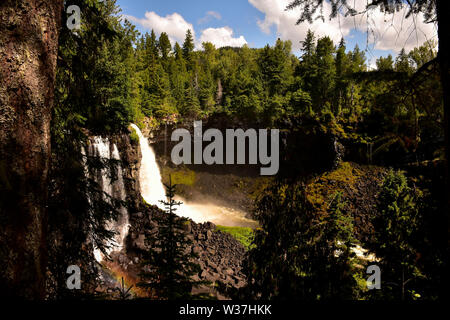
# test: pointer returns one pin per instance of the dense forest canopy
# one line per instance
(120, 76)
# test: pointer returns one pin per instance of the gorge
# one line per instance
(360, 173)
(219, 254)
(152, 190)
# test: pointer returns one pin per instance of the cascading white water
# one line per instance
(121, 225)
(152, 188)
(153, 191)
(102, 148)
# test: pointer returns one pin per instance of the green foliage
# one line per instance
(93, 91)
(396, 228)
(179, 177)
(243, 235)
(188, 46)
(168, 266)
(134, 138)
(297, 254)
(384, 64)
(109, 75)
(135, 76)
(96, 85)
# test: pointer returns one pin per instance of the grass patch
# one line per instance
(241, 234)
(182, 176)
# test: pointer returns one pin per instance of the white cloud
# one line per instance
(176, 26)
(386, 32)
(394, 32)
(221, 37)
(209, 16)
(173, 24)
(284, 22)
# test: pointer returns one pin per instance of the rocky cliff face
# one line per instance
(130, 154)
(28, 52)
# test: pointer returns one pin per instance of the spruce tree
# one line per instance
(396, 229)
(164, 46)
(188, 49)
(299, 254)
(168, 265)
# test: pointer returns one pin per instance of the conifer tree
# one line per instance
(168, 264)
(385, 64)
(164, 45)
(298, 254)
(94, 90)
(396, 229)
(402, 63)
(188, 47)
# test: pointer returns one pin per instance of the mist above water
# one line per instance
(153, 191)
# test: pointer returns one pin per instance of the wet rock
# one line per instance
(210, 226)
(140, 242)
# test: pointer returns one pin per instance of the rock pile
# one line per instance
(219, 255)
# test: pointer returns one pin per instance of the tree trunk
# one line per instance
(444, 58)
(28, 50)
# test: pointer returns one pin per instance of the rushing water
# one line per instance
(152, 188)
(153, 191)
(102, 148)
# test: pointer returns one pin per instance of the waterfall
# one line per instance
(103, 149)
(152, 190)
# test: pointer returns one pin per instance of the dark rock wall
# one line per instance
(130, 155)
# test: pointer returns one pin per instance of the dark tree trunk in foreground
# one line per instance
(444, 58)
(28, 51)
(444, 62)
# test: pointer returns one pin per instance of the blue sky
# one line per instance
(240, 15)
(260, 22)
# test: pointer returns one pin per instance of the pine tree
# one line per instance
(324, 82)
(298, 254)
(188, 47)
(94, 90)
(385, 64)
(358, 59)
(307, 69)
(402, 63)
(308, 45)
(396, 228)
(164, 46)
(168, 265)
(341, 83)
(178, 51)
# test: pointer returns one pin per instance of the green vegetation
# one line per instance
(179, 176)
(134, 138)
(113, 75)
(396, 228)
(298, 254)
(167, 268)
(110, 75)
(320, 190)
(243, 235)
